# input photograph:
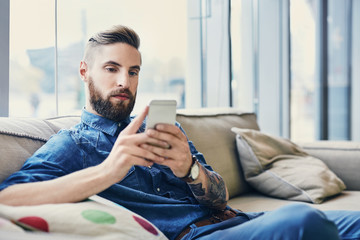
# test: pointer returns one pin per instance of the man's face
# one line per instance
(115, 111)
(112, 80)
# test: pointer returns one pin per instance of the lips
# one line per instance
(121, 96)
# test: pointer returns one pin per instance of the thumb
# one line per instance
(136, 123)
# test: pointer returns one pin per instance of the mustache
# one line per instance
(121, 91)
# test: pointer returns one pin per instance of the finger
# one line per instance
(171, 129)
(138, 161)
(167, 137)
(143, 153)
(177, 149)
(160, 136)
(157, 150)
(141, 138)
(136, 123)
(168, 155)
(177, 163)
(158, 143)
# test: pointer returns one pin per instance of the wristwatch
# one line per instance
(194, 171)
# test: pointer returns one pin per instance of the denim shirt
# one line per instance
(153, 192)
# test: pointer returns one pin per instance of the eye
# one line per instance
(133, 73)
(111, 69)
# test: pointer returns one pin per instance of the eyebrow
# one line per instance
(119, 65)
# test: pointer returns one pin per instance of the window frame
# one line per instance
(208, 79)
(4, 57)
(355, 72)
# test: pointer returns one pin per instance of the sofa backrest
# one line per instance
(21, 137)
(209, 129)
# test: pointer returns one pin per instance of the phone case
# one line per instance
(161, 111)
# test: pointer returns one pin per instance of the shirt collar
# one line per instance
(101, 123)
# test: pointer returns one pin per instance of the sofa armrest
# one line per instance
(342, 157)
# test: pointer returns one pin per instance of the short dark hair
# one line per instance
(116, 34)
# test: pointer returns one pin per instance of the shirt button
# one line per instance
(149, 167)
(158, 189)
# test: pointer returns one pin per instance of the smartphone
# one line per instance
(161, 111)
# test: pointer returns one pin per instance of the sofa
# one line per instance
(211, 132)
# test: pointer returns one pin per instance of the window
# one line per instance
(260, 64)
(32, 61)
(321, 69)
(303, 45)
(339, 67)
(243, 55)
(46, 49)
(293, 63)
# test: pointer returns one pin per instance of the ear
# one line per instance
(83, 71)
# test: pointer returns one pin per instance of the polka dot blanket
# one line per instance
(96, 217)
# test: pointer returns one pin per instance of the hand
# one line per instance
(127, 152)
(178, 156)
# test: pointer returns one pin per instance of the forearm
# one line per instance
(74, 187)
(210, 189)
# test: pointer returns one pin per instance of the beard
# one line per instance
(113, 111)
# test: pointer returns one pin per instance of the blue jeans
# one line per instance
(294, 221)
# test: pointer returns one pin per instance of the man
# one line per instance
(110, 154)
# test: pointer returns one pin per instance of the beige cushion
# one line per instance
(277, 167)
(210, 131)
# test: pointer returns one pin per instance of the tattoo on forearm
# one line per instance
(198, 190)
(213, 194)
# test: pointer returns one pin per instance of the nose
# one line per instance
(123, 80)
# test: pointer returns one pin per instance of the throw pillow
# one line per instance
(96, 217)
(279, 168)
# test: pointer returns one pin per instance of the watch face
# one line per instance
(195, 171)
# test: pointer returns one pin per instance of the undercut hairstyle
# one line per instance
(117, 34)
